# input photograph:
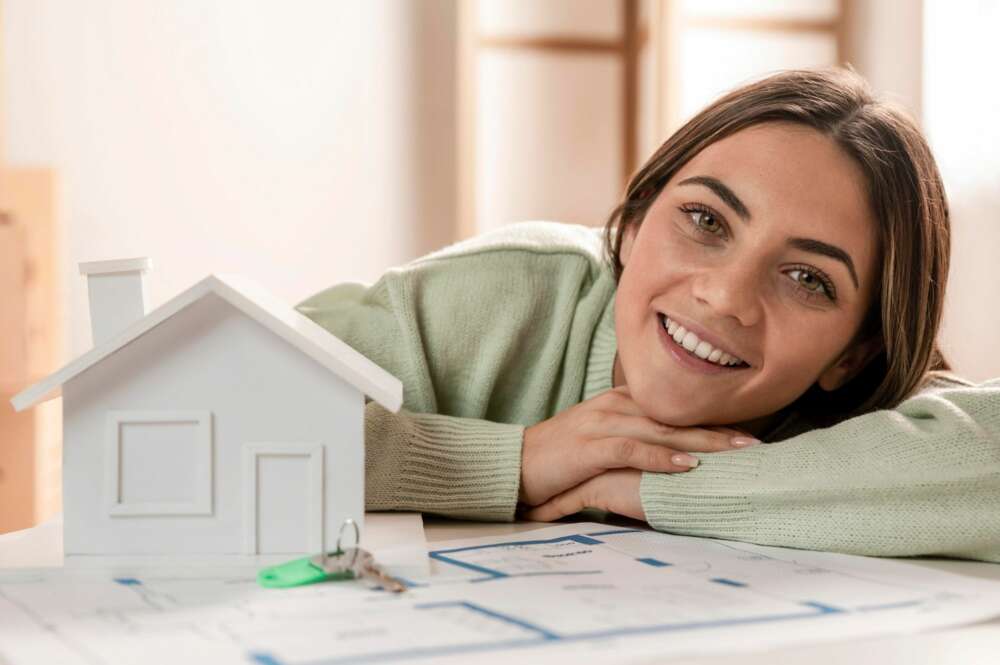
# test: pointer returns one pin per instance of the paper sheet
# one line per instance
(558, 593)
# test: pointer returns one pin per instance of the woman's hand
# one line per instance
(608, 431)
(616, 491)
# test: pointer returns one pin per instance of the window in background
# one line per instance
(707, 47)
(561, 101)
(547, 109)
(961, 107)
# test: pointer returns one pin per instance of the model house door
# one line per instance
(283, 498)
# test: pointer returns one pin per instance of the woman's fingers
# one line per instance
(620, 452)
(681, 439)
(568, 503)
(701, 440)
(620, 415)
(608, 431)
(616, 491)
(732, 431)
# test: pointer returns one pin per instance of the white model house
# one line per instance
(223, 422)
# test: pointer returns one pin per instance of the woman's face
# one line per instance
(763, 246)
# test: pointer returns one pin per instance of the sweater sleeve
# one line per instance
(416, 459)
(920, 479)
(459, 467)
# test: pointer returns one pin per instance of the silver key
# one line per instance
(339, 564)
(365, 567)
(357, 563)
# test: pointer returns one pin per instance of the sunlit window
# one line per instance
(562, 100)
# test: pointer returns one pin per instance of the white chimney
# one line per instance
(117, 295)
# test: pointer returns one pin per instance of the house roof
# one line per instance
(284, 321)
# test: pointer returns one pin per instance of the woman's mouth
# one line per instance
(715, 361)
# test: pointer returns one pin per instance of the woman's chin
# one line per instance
(682, 415)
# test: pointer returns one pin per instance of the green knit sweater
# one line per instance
(509, 328)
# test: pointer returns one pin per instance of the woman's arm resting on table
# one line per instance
(921, 479)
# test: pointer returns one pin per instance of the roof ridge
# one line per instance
(260, 305)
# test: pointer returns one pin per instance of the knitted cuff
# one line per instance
(710, 500)
(458, 467)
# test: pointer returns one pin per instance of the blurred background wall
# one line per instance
(302, 143)
(310, 142)
(961, 112)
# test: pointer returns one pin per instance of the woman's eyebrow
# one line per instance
(826, 249)
(722, 191)
(805, 244)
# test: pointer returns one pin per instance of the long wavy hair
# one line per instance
(906, 196)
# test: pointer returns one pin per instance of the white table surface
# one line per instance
(968, 645)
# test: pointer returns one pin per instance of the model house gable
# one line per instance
(281, 319)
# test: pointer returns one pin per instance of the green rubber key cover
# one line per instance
(297, 573)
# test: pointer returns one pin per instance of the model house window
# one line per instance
(159, 463)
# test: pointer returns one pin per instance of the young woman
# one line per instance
(776, 272)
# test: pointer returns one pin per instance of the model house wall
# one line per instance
(209, 434)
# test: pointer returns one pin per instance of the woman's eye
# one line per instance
(704, 221)
(811, 283)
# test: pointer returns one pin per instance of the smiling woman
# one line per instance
(786, 220)
(730, 254)
(776, 270)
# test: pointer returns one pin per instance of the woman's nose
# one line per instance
(730, 289)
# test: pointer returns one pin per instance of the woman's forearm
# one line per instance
(922, 479)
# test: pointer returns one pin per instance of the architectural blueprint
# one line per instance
(555, 593)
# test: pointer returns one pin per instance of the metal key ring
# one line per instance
(357, 533)
(324, 555)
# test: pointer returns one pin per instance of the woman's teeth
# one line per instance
(700, 348)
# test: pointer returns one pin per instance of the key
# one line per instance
(364, 567)
(339, 564)
(358, 563)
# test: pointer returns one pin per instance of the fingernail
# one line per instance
(744, 441)
(684, 460)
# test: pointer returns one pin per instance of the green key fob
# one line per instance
(298, 572)
(337, 565)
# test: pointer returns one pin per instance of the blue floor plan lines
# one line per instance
(582, 591)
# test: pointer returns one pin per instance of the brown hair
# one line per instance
(906, 197)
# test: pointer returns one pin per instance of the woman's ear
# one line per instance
(849, 364)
